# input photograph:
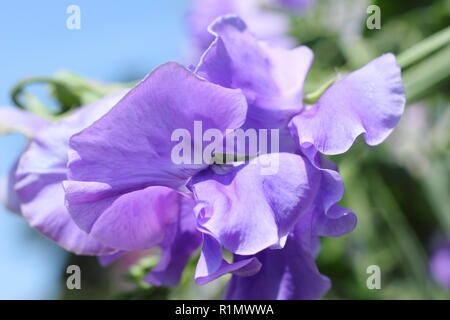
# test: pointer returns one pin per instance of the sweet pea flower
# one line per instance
(271, 224)
(121, 190)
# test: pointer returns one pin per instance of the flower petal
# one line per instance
(42, 205)
(16, 120)
(248, 211)
(327, 218)
(113, 162)
(336, 222)
(203, 13)
(271, 78)
(181, 241)
(268, 25)
(130, 148)
(288, 273)
(42, 168)
(135, 220)
(369, 100)
(211, 264)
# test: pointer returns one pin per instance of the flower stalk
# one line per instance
(424, 48)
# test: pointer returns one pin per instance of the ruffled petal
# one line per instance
(39, 175)
(326, 218)
(42, 205)
(369, 101)
(181, 241)
(121, 167)
(132, 221)
(249, 209)
(271, 78)
(212, 265)
(268, 25)
(203, 13)
(131, 147)
(286, 274)
(291, 272)
(337, 222)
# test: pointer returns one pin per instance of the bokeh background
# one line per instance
(400, 190)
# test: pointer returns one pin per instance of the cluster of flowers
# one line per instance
(101, 181)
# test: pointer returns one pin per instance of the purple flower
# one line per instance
(440, 265)
(121, 191)
(124, 190)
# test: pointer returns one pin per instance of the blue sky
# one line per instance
(117, 40)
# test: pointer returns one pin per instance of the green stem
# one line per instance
(36, 107)
(19, 88)
(427, 74)
(314, 96)
(424, 48)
